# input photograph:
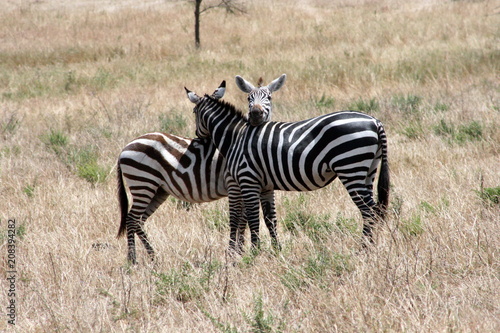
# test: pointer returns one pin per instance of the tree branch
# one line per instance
(231, 6)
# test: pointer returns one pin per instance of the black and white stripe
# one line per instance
(298, 156)
(157, 165)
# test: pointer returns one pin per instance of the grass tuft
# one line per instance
(173, 122)
(490, 195)
(409, 104)
(371, 106)
(461, 134)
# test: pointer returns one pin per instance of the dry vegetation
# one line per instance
(79, 79)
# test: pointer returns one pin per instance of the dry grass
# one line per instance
(78, 80)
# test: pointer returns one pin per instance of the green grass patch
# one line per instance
(57, 81)
(29, 190)
(367, 106)
(263, 321)
(316, 269)
(427, 207)
(317, 227)
(187, 283)
(10, 124)
(221, 326)
(10, 151)
(325, 102)
(413, 130)
(55, 140)
(472, 131)
(173, 122)
(181, 284)
(441, 107)
(490, 195)
(217, 219)
(83, 161)
(412, 226)
(409, 104)
(347, 224)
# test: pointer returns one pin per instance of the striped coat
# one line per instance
(298, 156)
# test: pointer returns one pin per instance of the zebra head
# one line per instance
(217, 94)
(259, 98)
(194, 98)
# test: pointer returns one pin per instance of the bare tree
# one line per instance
(231, 6)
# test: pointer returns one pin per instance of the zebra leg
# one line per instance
(366, 206)
(235, 218)
(144, 239)
(131, 225)
(242, 225)
(251, 200)
(160, 196)
(361, 193)
(269, 211)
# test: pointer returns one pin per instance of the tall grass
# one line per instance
(79, 80)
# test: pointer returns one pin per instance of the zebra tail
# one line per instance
(384, 177)
(123, 200)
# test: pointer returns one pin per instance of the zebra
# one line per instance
(156, 165)
(259, 99)
(297, 156)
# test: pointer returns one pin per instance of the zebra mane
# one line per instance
(260, 82)
(229, 107)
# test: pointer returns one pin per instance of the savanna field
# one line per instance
(81, 79)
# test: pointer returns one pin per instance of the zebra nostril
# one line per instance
(257, 108)
(256, 114)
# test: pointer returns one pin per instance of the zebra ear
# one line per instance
(243, 84)
(219, 92)
(277, 84)
(192, 96)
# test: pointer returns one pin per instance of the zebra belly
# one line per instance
(305, 184)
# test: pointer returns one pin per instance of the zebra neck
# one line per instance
(225, 128)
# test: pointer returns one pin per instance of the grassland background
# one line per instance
(80, 79)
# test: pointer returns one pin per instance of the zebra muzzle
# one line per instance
(256, 116)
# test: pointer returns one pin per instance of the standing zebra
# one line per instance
(297, 156)
(156, 165)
